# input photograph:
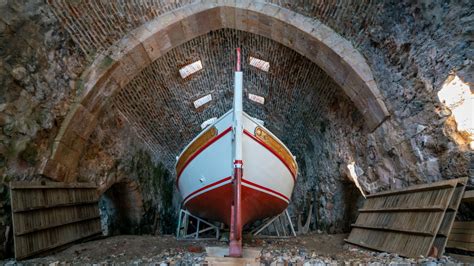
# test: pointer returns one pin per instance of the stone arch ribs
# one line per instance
(124, 60)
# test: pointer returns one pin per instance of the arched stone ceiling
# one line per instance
(113, 70)
(159, 103)
(97, 25)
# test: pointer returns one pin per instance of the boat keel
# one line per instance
(235, 245)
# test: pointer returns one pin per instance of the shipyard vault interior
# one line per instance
(368, 96)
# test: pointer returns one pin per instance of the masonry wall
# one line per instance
(410, 47)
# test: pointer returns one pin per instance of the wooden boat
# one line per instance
(236, 171)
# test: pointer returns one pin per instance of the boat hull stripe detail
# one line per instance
(194, 146)
(245, 181)
(272, 151)
(201, 149)
(206, 187)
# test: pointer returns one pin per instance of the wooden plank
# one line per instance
(410, 221)
(42, 198)
(406, 209)
(23, 255)
(25, 232)
(468, 196)
(392, 229)
(464, 225)
(35, 208)
(364, 245)
(402, 191)
(50, 185)
(422, 187)
(449, 216)
(461, 245)
(462, 237)
(49, 215)
(462, 231)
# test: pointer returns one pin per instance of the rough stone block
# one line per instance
(93, 98)
(132, 58)
(311, 47)
(82, 122)
(252, 22)
(225, 2)
(257, 6)
(242, 4)
(203, 6)
(330, 62)
(176, 34)
(278, 30)
(270, 10)
(71, 176)
(214, 17)
(362, 70)
(372, 85)
(152, 47)
(163, 41)
(322, 32)
(265, 25)
(337, 43)
(74, 141)
(228, 17)
(285, 15)
(183, 13)
(65, 156)
(119, 75)
(203, 24)
(99, 68)
(54, 170)
(241, 19)
(165, 20)
(289, 37)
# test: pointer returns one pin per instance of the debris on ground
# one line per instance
(311, 249)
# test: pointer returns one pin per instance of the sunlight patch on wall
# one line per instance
(457, 96)
(352, 175)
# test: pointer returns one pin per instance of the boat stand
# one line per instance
(278, 221)
(202, 226)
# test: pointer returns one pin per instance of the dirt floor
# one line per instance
(313, 249)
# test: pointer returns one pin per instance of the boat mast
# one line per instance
(235, 245)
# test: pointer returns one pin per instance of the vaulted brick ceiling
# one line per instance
(159, 103)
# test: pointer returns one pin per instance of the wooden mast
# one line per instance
(235, 245)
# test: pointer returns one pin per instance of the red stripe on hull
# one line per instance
(215, 204)
(206, 187)
(216, 138)
(264, 188)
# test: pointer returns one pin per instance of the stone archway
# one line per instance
(112, 71)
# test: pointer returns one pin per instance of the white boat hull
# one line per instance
(205, 173)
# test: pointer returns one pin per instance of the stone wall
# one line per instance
(411, 48)
(138, 195)
(38, 66)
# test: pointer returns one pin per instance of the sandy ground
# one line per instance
(313, 249)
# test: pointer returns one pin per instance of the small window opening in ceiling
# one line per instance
(256, 98)
(208, 122)
(260, 64)
(190, 69)
(202, 101)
